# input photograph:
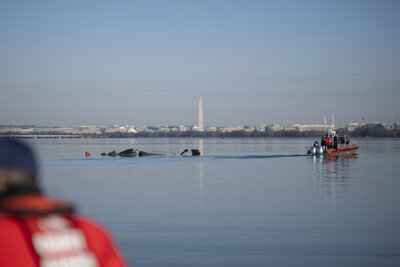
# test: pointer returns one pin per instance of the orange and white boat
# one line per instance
(333, 144)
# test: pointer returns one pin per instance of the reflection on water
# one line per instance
(332, 173)
(201, 173)
(201, 146)
(201, 184)
(201, 176)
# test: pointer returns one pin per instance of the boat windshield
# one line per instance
(344, 139)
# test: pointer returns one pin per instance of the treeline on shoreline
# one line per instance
(359, 133)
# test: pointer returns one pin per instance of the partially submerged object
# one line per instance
(195, 152)
(128, 153)
(134, 152)
(147, 154)
(112, 154)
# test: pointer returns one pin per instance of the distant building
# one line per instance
(261, 127)
(293, 128)
(249, 129)
(111, 130)
(132, 130)
(307, 127)
(211, 129)
(230, 129)
(275, 127)
(376, 124)
(351, 126)
(312, 127)
(183, 128)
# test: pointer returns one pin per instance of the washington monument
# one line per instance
(201, 127)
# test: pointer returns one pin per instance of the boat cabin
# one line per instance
(335, 141)
(343, 139)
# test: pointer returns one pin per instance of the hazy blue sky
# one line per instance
(148, 62)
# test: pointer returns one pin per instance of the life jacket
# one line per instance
(52, 233)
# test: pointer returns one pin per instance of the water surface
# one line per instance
(245, 202)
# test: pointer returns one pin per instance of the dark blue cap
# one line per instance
(16, 155)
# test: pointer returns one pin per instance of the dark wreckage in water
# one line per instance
(134, 153)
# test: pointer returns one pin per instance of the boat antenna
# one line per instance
(325, 126)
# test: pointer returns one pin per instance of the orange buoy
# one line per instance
(87, 154)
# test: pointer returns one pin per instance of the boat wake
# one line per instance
(254, 156)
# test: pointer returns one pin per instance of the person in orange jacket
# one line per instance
(329, 143)
(36, 230)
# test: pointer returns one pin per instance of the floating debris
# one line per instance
(146, 154)
(112, 154)
(196, 152)
(183, 152)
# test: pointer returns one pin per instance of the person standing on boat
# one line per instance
(323, 141)
(329, 142)
(316, 144)
(36, 230)
(335, 142)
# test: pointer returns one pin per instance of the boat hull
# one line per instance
(343, 150)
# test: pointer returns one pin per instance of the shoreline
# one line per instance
(56, 136)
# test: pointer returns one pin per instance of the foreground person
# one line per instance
(36, 230)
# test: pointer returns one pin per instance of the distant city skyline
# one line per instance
(263, 130)
(148, 62)
(196, 126)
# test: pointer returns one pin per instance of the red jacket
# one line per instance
(38, 231)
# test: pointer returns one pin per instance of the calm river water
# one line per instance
(244, 202)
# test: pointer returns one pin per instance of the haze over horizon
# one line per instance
(148, 62)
